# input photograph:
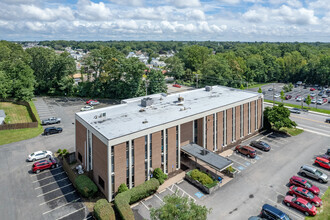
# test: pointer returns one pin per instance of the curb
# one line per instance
(312, 112)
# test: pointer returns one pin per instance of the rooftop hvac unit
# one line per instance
(208, 88)
(147, 102)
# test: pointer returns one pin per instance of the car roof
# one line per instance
(298, 178)
(308, 167)
(248, 147)
(323, 159)
(301, 200)
(273, 209)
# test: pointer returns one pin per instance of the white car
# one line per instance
(299, 99)
(87, 108)
(324, 96)
(39, 155)
(312, 94)
(319, 101)
(313, 101)
(277, 95)
(94, 103)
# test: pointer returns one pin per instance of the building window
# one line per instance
(101, 182)
(79, 157)
(233, 112)
(162, 157)
(214, 131)
(132, 167)
(113, 185)
(166, 146)
(132, 176)
(127, 177)
(112, 159)
(150, 149)
(127, 163)
(146, 147)
(195, 131)
(242, 121)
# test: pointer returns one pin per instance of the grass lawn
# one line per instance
(323, 213)
(14, 135)
(299, 106)
(15, 113)
(292, 131)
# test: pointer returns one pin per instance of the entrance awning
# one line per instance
(215, 161)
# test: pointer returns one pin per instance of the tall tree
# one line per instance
(175, 67)
(156, 82)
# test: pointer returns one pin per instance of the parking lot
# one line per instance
(299, 91)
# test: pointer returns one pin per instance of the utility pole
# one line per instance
(273, 95)
(196, 80)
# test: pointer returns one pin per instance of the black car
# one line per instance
(328, 152)
(52, 130)
(260, 145)
(327, 120)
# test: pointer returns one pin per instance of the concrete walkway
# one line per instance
(171, 181)
(44, 110)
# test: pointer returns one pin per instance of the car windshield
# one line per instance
(264, 144)
(286, 217)
(32, 154)
(318, 173)
(308, 185)
(310, 195)
(309, 206)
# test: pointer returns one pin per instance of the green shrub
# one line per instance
(85, 186)
(211, 184)
(103, 210)
(123, 200)
(201, 177)
(160, 175)
(59, 151)
(230, 169)
(122, 188)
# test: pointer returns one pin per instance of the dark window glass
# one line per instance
(79, 157)
(101, 182)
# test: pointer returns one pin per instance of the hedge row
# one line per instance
(201, 177)
(103, 210)
(85, 186)
(123, 200)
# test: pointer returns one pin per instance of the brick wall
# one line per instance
(156, 150)
(246, 119)
(260, 113)
(139, 160)
(238, 123)
(186, 133)
(120, 164)
(200, 132)
(209, 132)
(229, 126)
(100, 163)
(81, 140)
(253, 116)
(171, 154)
(220, 130)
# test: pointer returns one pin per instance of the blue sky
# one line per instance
(218, 20)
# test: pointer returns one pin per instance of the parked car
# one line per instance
(320, 93)
(176, 85)
(327, 120)
(260, 145)
(246, 150)
(299, 99)
(311, 172)
(298, 181)
(312, 89)
(87, 108)
(287, 97)
(39, 155)
(322, 162)
(300, 204)
(52, 130)
(255, 218)
(270, 89)
(328, 152)
(312, 94)
(277, 95)
(325, 101)
(324, 96)
(313, 101)
(91, 100)
(295, 110)
(319, 101)
(92, 103)
(297, 191)
(270, 212)
(44, 164)
(49, 121)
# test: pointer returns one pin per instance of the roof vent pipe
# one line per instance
(208, 88)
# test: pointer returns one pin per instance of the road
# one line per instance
(266, 181)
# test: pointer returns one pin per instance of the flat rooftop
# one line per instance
(130, 117)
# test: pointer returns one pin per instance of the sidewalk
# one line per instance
(171, 181)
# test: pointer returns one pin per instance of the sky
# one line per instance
(178, 20)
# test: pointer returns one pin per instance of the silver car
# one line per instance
(311, 172)
(39, 155)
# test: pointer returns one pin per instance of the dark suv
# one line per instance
(44, 164)
(246, 150)
(260, 145)
(52, 130)
(270, 212)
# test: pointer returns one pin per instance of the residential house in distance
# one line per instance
(126, 142)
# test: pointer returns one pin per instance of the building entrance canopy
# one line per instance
(214, 160)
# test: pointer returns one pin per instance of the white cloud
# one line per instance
(88, 10)
(47, 14)
(196, 14)
(231, 2)
(128, 2)
(185, 3)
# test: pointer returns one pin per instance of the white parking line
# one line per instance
(55, 190)
(70, 213)
(88, 217)
(57, 198)
(61, 206)
(237, 162)
(145, 205)
(47, 177)
(186, 193)
(52, 183)
(160, 199)
(43, 172)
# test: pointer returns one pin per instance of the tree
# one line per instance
(278, 117)
(308, 100)
(156, 82)
(282, 95)
(176, 207)
(175, 67)
(242, 87)
(260, 90)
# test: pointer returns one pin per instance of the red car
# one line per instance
(44, 164)
(176, 85)
(325, 100)
(300, 204)
(246, 150)
(91, 100)
(323, 162)
(312, 89)
(305, 194)
(287, 97)
(297, 181)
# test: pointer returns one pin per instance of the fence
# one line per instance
(32, 124)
